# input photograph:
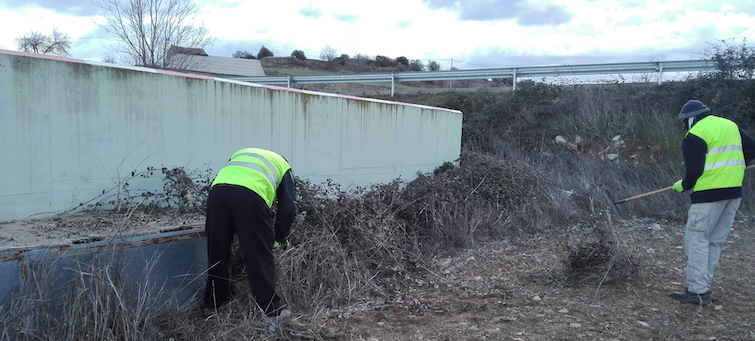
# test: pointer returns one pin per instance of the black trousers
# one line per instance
(239, 210)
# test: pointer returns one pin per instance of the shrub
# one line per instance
(264, 52)
(416, 65)
(383, 61)
(243, 54)
(342, 60)
(298, 54)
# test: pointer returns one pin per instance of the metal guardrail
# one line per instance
(513, 73)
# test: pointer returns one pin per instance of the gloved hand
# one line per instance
(275, 244)
(678, 186)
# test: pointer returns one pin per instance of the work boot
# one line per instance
(691, 297)
(279, 314)
(209, 312)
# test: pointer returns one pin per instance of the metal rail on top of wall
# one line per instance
(513, 73)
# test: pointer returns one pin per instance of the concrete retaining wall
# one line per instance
(70, 129)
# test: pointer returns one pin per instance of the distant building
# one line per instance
(196, 60)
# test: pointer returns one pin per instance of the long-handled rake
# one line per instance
(615, 203)
(640, 196)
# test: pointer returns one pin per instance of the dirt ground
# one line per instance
(517, 292)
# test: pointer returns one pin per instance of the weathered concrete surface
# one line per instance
(71, 129)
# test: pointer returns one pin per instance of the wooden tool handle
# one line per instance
(666, 189)
(645, 194)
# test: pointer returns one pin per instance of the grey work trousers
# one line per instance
(708, 225)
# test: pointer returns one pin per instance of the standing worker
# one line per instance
(716, 152)
(240, 203)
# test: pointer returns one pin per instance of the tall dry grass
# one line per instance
(85, 297)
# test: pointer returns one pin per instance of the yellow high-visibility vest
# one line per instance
(724, 160)
(257, 169)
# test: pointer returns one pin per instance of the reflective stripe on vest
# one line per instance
(272, 178)
(724, 161)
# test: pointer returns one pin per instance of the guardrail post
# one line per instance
(513, 80)
(393, 84)
(288, 81)
(660, 73)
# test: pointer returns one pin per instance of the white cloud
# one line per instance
(19, 23)
(627, 30)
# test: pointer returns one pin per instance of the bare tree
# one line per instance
(149, 28)
(109, 58)
(734, 61)
(57, 44)
(328, 53)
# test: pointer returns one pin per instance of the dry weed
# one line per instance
(600, 258)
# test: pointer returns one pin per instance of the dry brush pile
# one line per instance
(348, 245)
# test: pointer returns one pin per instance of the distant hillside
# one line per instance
(293, 63)
(291, 66)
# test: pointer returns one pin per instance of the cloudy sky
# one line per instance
(467, 34)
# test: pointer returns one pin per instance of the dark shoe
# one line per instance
(691, 297)
(279, 314)
(208, 312)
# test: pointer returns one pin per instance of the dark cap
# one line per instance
(692, 109)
